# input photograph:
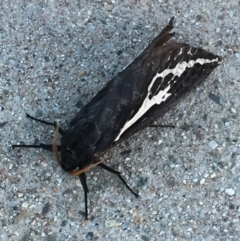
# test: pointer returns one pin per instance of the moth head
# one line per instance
(70, 162)
(77, 145)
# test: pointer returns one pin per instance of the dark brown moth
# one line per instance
(161, 76)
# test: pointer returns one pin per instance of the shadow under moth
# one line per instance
(163, 74)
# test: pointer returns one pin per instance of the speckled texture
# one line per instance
(54, 54)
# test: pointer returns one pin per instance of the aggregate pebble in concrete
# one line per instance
(54, 57)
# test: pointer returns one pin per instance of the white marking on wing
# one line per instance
(189, 51)
(162, 95)
(180, 52)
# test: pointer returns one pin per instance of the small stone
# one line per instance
(230, 51)
(4, 237)
(78, 183)
(90, 236)
(229, 191)
(235, 220)
(145, 238)
(213, 175)
(138, 220)
(189, 229)
(112, 223)
(218, 30)
(46, 209)
(20, 194)
(125, 226)
(172, 165)
(231, 206)
(59, 180)
(234, 49)
(213, 144)
(82, 73)
(227, 123)
(154, 212)
(14, 63)
(113, 200)
(233, 110)
(24, 205)
(231, 13)
(44, 163)
(202, 181)
(64, 223)
(44, 223)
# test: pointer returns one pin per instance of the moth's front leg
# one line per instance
(83, 181)
(162, 126)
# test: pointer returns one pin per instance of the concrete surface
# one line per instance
(55, 54)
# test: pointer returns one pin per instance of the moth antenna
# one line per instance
(54, 145)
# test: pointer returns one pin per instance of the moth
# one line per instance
(163, 74)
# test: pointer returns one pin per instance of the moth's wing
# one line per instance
(169, 59)
(128, 93)
(91, 109)
(163, 72)
(149, 87)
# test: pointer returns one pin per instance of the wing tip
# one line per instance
(171, 22)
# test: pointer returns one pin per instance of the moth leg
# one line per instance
(43, 146)
(46, 122)
(162, 126)
(109, 169)
(83, 181)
